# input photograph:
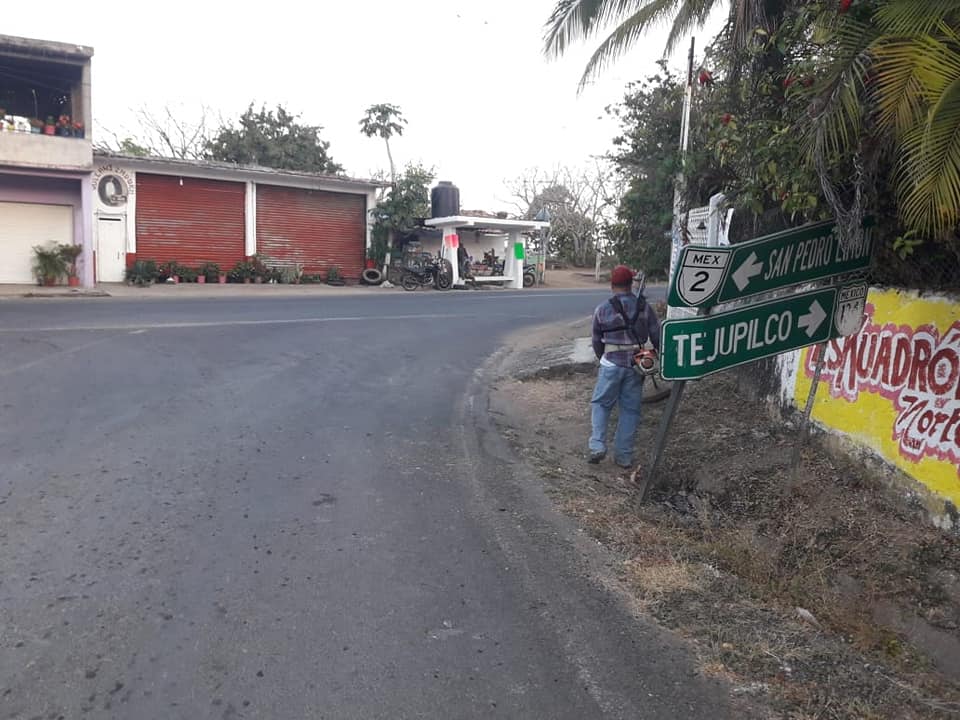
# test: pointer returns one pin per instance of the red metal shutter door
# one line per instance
(312, 227)
(198, 221)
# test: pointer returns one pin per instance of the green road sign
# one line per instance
(708, 276)
(695, 347)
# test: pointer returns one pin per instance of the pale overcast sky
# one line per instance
(481, 101)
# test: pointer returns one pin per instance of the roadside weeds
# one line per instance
(828, 598)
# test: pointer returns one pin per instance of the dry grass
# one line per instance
(730, 567)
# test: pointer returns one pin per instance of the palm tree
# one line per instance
(891, 83)
(384, 120)
(575, 20)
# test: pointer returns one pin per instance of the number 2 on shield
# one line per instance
(701, 277)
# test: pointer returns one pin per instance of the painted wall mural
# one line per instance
(895, 386)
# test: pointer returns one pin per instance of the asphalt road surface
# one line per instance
(296, 508)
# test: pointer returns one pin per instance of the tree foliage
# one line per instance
(401, 207)
(837, 110)
(581, 202)
(384, 121)
(171, 132)
(275, 139)
(646, 154)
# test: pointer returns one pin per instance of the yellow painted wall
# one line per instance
(895, 386)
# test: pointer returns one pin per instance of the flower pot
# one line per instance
(49, 282)
(49, 129)
(73, 281)
(247, 281)
(201, 279)
(258, 280)
(176, 279)
(223, 278)
(78, 132)
(34, 130)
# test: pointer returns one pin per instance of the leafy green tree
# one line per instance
(646, 153)
(400, 208)
(384, 121)
(274, 139)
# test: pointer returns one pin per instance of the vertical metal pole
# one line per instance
(676, 392)
(676, 238)
(805, 421)
(666, 420)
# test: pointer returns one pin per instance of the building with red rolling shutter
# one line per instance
(202, 211)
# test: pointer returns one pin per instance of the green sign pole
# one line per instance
(709, 276)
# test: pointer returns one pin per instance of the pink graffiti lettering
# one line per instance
(917, 369)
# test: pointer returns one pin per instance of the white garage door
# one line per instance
(23, 225)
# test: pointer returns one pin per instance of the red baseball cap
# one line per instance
(621, 276)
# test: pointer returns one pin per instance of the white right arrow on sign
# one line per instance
(749, 268)
(813, 319)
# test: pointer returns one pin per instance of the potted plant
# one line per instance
(187, 274)
(50, 127)
(169, 271)
(142, 273)
(64, 126)
(78, 129)
(70, 252)
(210, 272)
(36, 126)
(334, 277)
(260, 270)
(48, 264)
(242, 272)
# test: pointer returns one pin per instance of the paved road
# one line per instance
(294, 508)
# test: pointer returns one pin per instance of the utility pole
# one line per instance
(676, 238)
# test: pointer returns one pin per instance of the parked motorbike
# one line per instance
(529, 275)
(437, 272)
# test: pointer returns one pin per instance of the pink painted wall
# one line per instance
(51, 189)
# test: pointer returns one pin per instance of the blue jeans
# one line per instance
(616, 385)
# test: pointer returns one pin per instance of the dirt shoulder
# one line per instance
(824, 597)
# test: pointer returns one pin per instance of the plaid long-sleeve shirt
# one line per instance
(606, 318)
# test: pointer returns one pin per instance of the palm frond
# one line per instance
(837, 114)
(570, 21)
(915, 17)
(575, 20)
(690, 15)
(624, 35)
(928, 175)
(899, 65)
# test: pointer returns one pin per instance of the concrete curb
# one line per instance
(571, 357)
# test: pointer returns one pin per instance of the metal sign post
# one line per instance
(805, 421)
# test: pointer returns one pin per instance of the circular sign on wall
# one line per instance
(112, 190)
(113, 185)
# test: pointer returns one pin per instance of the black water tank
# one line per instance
(445, 200)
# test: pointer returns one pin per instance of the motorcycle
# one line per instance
(495, 266)
(529, 275)
(437, 272)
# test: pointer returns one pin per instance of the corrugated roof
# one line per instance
(160, 163)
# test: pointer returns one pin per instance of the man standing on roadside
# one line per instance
(621, 326)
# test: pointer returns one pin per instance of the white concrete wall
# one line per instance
(45, 152)
(475, 243)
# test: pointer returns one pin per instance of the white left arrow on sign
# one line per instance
(750, 267)
(813, 319)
